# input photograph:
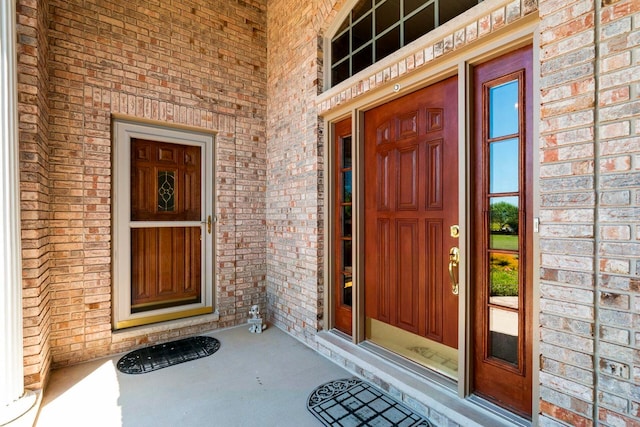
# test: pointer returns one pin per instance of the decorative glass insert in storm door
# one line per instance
(166, 191)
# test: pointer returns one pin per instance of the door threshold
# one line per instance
(411, 366)
(429, 393)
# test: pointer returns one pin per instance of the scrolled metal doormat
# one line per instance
(351, 402)
(160, 356)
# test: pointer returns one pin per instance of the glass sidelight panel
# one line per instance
(347, 290)
(504, 166)
(503, 109)
(504, 223)
(503, 197)
(347, 228)
(342, 276)
(346, 155)
(504, 281)
(503, 329)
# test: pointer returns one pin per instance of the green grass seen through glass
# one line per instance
(504, 241)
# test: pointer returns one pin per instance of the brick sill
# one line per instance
(168, 326)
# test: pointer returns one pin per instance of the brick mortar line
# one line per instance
(596, 207)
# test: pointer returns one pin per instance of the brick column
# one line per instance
(13, 400)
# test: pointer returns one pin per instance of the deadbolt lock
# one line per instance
(455, 231)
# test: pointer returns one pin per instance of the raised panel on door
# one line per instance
(434, 313)
(407, 283)
(165, 265)
(407, 178)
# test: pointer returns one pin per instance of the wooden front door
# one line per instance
(501, 278)
(411, 201)
(166, 254)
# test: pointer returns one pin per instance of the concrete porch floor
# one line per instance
(252, 380)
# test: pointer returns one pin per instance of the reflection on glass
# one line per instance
(450, 9)
(504, 222)
(361, 8)
(503, 328)
(411, 5)
(503, 166)
(362, 59)
(347, 186)
(346, 152)
(340, 47)
(346, 221)
(346, 251)
(388, 43)
(419, 24)
(347, 290)
(503, 109)
(361, 33)
(504, 279)
(387, 13)
(341, 71)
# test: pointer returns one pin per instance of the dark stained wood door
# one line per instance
(501, 281)
(411, 201)
(165, 252)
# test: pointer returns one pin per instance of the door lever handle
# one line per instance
(454, 260)
(208, 222)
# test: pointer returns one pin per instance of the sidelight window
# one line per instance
(502, 150)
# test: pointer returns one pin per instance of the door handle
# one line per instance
(208, 222)
(454, 259)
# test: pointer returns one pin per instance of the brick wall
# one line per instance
(204, 64)
(201, 64)
(32, 23)
(294, 171)
(590, 55)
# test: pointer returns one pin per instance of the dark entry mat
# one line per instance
(353, 402)
(160, 356)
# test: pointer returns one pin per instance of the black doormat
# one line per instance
(160, 356)
(353, 402)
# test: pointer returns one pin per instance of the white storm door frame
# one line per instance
(124, 131)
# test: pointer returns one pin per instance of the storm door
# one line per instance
(501, 285)
(411, 226)
(164, 224)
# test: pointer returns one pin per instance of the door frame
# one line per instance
(520, 34)
(124, 129)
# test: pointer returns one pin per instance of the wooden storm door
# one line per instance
(166, 210)
(501, 285)
(411, 202)
(342, 228)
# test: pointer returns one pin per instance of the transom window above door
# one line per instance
(376, 28)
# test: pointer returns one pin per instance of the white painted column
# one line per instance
(13, 400)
